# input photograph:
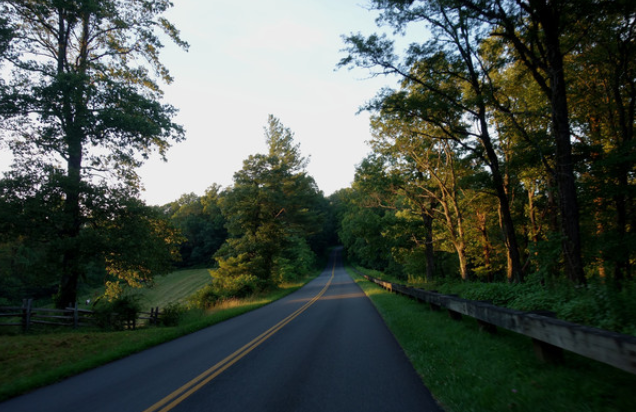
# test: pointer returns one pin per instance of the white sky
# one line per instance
(252, 58)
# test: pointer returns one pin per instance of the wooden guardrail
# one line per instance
(26, 315)
(549, 335)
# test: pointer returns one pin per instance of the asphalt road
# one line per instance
(322, 348)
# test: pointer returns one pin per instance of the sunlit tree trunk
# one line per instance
(428, 244)
(485, 242)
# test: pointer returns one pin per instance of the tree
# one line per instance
(428, 173)
(446, 83)
(201, 222)
(123, 243)
(603, 92)
(6, 34)
(540, 34)
(132, 242)
(362, 225)
(83, 106)
(270, 211)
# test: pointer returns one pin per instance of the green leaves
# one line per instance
(509, 119)
(271, 212)
(84, 97)
(200, 221)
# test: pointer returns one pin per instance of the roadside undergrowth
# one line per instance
(599, 303)
(467, 369)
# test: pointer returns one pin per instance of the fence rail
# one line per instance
(26, 315)
(549, 335)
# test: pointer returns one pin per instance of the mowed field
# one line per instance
(174, 287)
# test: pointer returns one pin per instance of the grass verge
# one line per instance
(34, 360)
(470, 370)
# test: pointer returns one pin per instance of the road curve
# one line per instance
(322, 348)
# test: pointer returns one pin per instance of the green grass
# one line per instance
(470, 370)
(174, 287)
(34, 360)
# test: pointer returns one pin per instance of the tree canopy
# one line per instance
(272, 211)
(81, 111)
(501, 142)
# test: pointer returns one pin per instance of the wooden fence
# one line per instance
(549, 335)
(26, 315)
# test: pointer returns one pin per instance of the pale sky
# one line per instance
(251, 58)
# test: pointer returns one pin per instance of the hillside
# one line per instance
(173, 287)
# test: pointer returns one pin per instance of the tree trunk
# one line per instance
(515, 270)
(72, 89)
(623, 198)
(463, 260)
(71, 254)
(428, 240)
(568, 203)
(486, 246)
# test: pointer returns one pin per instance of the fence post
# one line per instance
(156, 316)
(75, 317)
(26, 313)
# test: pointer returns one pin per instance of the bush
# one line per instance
(226, 287)
(172, 314)
(117, 313)
(238, 287)
(204, 298)
(601, 303)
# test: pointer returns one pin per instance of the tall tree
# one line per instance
(429, 173)
(603, 92)
(83, 104)
(540, 33)
(446, 74)
(270, 210)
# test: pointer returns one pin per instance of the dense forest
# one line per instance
(506, 154)
(508, 150)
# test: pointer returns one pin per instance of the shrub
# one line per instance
(226, 287)
(117, 313)
(238, 287)
(172, 314)
(204, 298)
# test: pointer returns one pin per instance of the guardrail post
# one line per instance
(547, 353)
(454, 315)
(487, 327)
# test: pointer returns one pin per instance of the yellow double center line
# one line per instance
(197, 383)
